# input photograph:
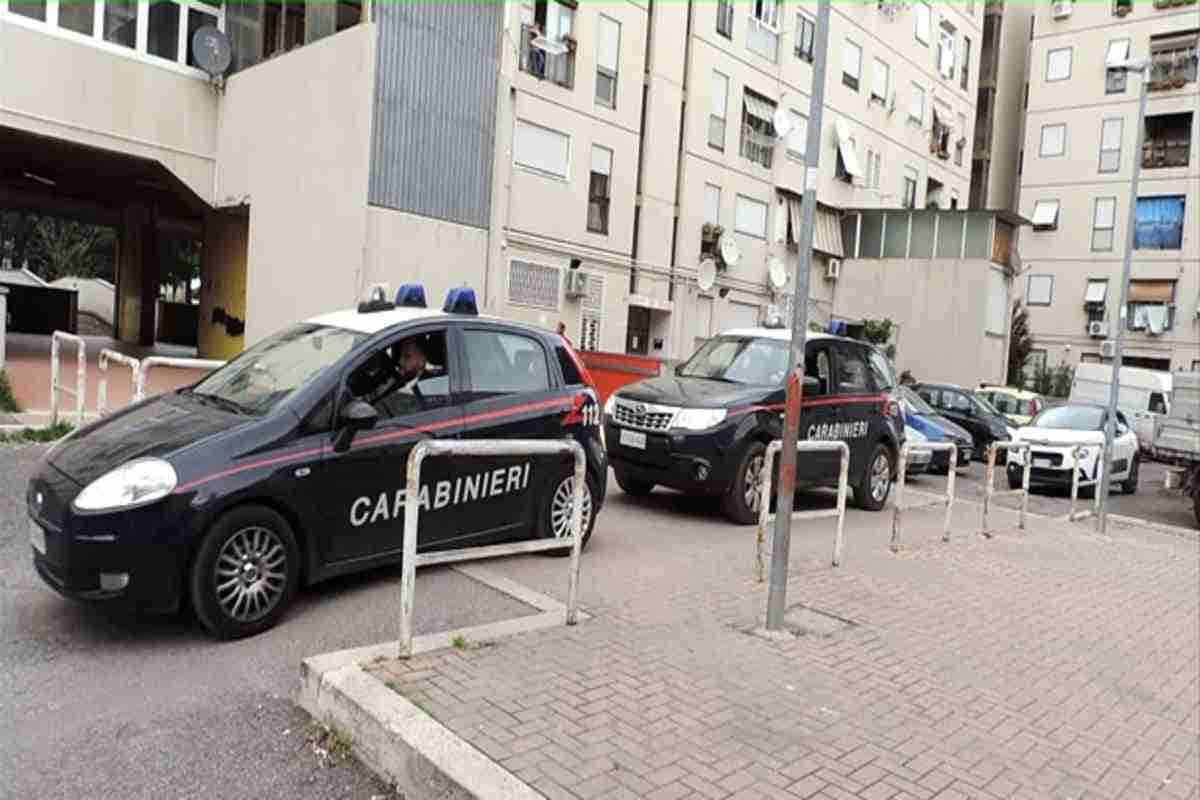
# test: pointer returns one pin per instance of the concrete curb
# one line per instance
(398, 741)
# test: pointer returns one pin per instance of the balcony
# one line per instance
(557, 68)
(1168, 141)
(757, 146)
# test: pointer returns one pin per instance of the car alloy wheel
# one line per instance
(752, 483)
(251, 574)
(562, 506)
(881, 478)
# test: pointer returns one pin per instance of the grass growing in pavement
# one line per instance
(459, 642)
(28, 435)
(8, 401)
(330, 744)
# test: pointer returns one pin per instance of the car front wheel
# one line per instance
(742, 501)
(1130, 484)
(873, 487)
(245, 573)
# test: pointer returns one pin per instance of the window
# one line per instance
(922, 16)
(1168, 141)
(198, 17)
(750, 217)
(1020, 161)
(816, 365)
(1054, 140)
(1058, 64)
(882, 374)
(1172, 60)
(163, 32)
(77, 15)
(599, 190)
(542, 149)
(725, 18)
(882, 77)
(607, 58)
(852, 372)
(533, 285)
(1110, 144)
(940, 130)
(120, 22)
(851, 64)
(910, 188)
(762, 36)
(1045, 215)
(916, 105)
(1040, 290)
(1096, 295)
(1159, 223)
(797, 138)
(554, 22)
(712, 204)
(966, 63)
(716, 117)
(1115, 79)
(283, 26)
(960, 144)
(505, 363)
(805, 31)
(590, 318)
(404, 377)
(946, 53)
(758, 132)
(1103, 221)
(1122, 7)
(1151, 306)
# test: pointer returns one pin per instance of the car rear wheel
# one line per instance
(744, 497)
(558, 508)
(1130, 484)
(632, 486)
(245, 573)
(873, 487)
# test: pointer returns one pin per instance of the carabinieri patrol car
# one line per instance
(705, 429)
(287, 465)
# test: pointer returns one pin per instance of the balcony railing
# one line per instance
(757, 147)
(1166, 153)
(559, 69)
(1172, 69)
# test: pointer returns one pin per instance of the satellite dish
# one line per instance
(706, 275)
(783, 122)
(210, 48)
(777, 273)
(731, 254)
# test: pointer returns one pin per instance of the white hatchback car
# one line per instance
(1056, 432)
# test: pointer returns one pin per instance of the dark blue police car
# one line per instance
(287, 466)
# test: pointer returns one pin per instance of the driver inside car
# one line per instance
(390, 380)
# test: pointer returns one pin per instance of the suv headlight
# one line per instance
(699, 419)
(138, 482)
(610, 404)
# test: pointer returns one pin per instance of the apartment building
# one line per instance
(1079, 151)
(1000, 109)
(576, 162)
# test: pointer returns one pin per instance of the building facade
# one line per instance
(1000, 109)
(1079, 149)
(631, 169)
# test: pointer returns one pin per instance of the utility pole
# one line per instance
(1142, 69)
(782, 542)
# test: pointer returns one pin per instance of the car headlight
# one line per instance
(699, 419)
(138, 482)
(610, 404)
(1012, 433)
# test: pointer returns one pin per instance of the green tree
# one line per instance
(64, 247)
(879, 332)
(1020, 345)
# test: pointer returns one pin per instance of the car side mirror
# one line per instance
(678, 370)
(812, 386)
(358, 415)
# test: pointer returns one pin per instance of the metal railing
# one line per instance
(764, 502)
(485, 448)
(166, 361)
(80, 390)
(107, 355)
(990, 487)
(1077, 484)
(946, 499)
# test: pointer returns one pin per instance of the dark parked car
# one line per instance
(928, 421)
(962, 407)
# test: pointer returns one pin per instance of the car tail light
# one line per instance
(583, 370)
(1035, 408)
(892, 408)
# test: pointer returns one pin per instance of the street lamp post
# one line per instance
(1141, 68)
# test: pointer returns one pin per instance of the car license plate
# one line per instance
(966, 456)
(633, 439)
(37, 537)
(1042, 462)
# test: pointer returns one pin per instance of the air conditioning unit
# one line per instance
(577, 283)
(1108, 349)
(1061, 9)
(833, 269)
(1098, 329)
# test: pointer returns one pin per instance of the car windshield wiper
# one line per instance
(223, 403)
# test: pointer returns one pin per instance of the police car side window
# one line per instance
(881, 371)
(505, 363)
(816, 365)
(405, 376)
(852, 371)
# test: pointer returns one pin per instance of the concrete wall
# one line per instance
(940, 307)
(130, 273)
(77, 91)
(223, 286)
(408, 248)
(1007, 137)
(95, 295)
(294, 145)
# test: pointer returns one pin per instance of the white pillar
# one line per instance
(3, 321)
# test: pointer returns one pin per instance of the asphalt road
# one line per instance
(99, 704)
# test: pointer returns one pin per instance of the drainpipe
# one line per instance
(687, 67)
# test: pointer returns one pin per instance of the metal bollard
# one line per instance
(102, 386)
(902, 479)
(991, 492)
(80, 390)
(764, 503)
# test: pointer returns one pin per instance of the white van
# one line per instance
(1145, 395)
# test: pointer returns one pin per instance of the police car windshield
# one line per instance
(270, 372)
(740, 359)
(1070, 418)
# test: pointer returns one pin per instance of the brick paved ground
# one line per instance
(1053, 664)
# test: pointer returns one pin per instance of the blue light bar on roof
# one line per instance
(411, 295)
(461, 301)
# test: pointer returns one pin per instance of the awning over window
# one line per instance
(1118, 52)
(1096, 292)
(759, 108)
(1151, 291)
(827, 228)
(846, 148)
(1045, 212)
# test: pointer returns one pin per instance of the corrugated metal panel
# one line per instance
(435, 109)
(827, 228)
